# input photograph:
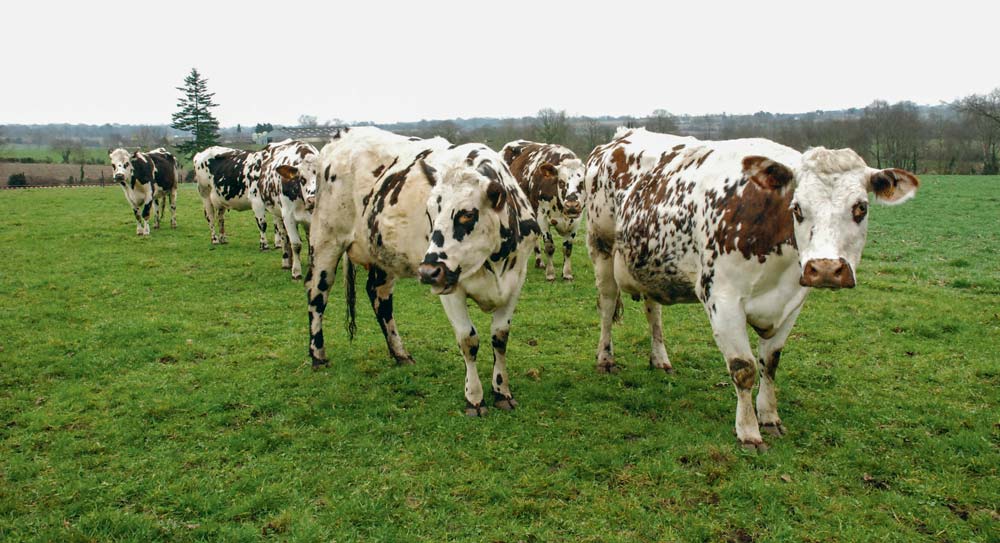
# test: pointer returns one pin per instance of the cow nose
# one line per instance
(572, 206)
(310, 202)
(119, 177)
(827, 273)
(431, 274)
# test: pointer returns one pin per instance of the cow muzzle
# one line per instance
(119, 177)
(572, 208)
(438, 276)
(310, 203)
(827, 273)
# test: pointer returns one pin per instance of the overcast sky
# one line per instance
(119, 62)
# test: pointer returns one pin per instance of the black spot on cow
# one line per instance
(438, 238)
(464, 222)
(227, 170)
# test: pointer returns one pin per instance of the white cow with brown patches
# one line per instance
(746, 227)
(452, 215)
(288, 196)
(552, 178)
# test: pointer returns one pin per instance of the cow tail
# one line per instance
(351, 294)
(619, 310)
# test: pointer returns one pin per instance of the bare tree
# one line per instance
(553, 127)
(308, 120)
(876, 120)
(662, 121)
(983, 112)
(67, 149)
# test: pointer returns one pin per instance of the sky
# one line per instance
(102, 62)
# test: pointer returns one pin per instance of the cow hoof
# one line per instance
(550, 277)
(751, 445)
(502, 402)
(405, 360)
(296, 277)
(538, 264)
(607, 367)
(264, 247)
(474, 410)
(567, 277)
(668, 369)
(318, 364)
(775, 429)
(286, 266)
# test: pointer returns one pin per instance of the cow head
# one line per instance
(466, 206)
(571, 188)
(121, 165)
(306, 173)
(829, 207)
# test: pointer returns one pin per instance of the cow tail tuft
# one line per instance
(351, 294)
(619, 310)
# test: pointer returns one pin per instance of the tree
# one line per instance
(263, 128)
(662, 121)
(67, 149)
(195, 116)
(552, 126)
(308, 120)
(983, 112)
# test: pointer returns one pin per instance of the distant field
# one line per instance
(159, 389)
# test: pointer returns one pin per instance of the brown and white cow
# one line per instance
(552, 178)
(288, 196)
(406, 207)
(747, 227)
(149, 180)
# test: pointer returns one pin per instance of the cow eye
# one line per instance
(860, 211)
(465, 217)
(797, 212)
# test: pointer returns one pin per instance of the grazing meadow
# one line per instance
(159, 389)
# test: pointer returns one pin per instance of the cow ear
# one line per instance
(548, 170)
(496, 194)
(892, 185)
(288, 173)
(429, 172)
(766, 173)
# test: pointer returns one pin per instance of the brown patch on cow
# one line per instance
(756, 223)
(378, 171)
(892, 184)
(678, 147)
(429, 172)
(742, 373)
(766, 173)
(304, 151)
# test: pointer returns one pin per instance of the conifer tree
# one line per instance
(194, 115)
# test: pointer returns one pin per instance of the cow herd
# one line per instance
(744, 227)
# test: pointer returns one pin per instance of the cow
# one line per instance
(226, 178)
(288, 197)
(552, 178)
(452, 215)
(229, 179)
(149, 180)
(746, 227)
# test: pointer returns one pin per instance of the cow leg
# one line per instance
(468, 341)
(550, 249)
(293, 242)
(146, 208)
(220, 219)
(138, 220)
(567, 271)
(319, 280)
(658, 355)
(260, 213)
(173, 208)
(210, 215)
(609, 304)
(158, 205)
(729, 326)
(379, 288)
(286, 247)
(278, 239)
(500, 331)
(769, 353)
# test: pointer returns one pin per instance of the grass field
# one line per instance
(159, 390)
